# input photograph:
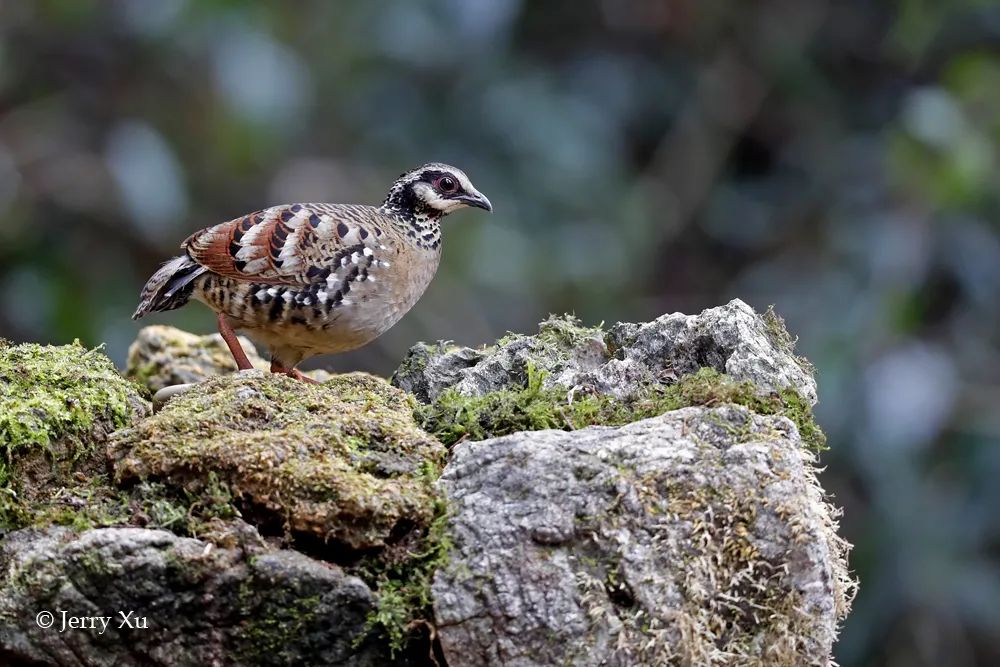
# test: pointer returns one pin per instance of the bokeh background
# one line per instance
(839, 159)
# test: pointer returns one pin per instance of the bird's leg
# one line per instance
(276, 367)
(229, 336)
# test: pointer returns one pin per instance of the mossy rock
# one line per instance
(453, 417)
(162, 356)
(569, 376)
(58, 406)
(562, 349)
(341, 461)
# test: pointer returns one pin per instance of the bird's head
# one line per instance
(434, 190)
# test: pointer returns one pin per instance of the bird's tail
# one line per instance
(170, 287)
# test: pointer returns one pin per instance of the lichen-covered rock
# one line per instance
(621, 362)
(569, 376)
(340, 461)
(163, 356)
(188, 602)
(699, 537)
(58, 405)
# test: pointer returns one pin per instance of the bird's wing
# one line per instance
(294, 244)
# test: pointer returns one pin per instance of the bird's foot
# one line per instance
(299, 375)
(292, 373)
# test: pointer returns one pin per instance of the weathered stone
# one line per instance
(191, 603)
(732, 339)
(163, 356)
(341, 461)
(698, 537)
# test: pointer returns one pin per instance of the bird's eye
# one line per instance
(447, 184)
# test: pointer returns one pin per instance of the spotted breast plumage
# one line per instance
(308, 279)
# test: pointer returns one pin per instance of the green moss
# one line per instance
(558, 338)
(13, 514)
(96, 502)
(800, 412)
(453, 417)
(401, 577)
(778, 333)
(85, 505)
(271, 631)
(51, 394)
(341, 460)
(58, 405)
(568, 332)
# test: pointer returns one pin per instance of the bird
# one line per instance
(309, 279)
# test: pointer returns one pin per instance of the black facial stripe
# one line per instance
(430, 174)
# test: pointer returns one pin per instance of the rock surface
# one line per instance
(732, 339)
(191, 603)
(699, 537)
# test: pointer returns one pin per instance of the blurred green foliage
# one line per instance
(837, 159)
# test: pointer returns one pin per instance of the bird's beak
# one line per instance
(477, 199)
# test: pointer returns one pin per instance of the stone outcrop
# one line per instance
(643, 494)
(186, 601)
(621, 361)
(700, 537)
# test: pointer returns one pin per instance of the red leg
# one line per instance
(291, 372)
(229, 336)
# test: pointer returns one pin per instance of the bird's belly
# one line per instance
(345, 328)
(291, 317)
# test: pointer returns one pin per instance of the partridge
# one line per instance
(308, 279)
